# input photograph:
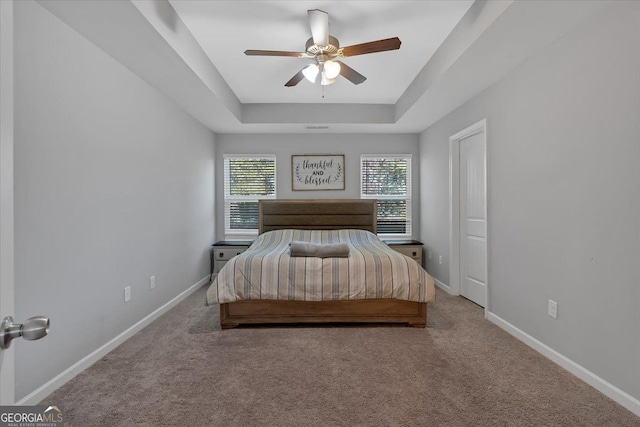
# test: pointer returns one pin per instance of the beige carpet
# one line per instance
(460, 371)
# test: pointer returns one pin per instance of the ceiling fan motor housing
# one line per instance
(315, 50)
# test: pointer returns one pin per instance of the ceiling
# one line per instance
(225, 29)
(192, 52)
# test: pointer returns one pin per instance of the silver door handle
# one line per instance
(33, 328)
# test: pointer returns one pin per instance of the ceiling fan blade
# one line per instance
(350, 74)
(319, 23)
(371, 47)
(295, 79)
(272, 53)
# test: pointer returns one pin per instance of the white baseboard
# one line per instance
(50, 386)
(442, 286)
(609, 390)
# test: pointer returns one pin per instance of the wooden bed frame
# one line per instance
(317, 214)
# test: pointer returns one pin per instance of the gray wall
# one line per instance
(284, 145)
(563, 154)
(113, 184)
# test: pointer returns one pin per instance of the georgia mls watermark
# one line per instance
(31, 416)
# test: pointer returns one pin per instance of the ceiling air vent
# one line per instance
(317, 127)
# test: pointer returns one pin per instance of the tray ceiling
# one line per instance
(225, 29)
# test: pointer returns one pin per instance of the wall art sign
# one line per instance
(317, 172)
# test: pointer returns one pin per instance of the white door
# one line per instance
(473, 221)
(6, 193)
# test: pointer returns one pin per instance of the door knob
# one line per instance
(33, 328)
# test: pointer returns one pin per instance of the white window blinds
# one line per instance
(247, 179)
(387, 178)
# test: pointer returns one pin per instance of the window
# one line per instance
(387, 178)
(247, 179)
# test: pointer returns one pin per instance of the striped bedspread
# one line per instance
(371, 271)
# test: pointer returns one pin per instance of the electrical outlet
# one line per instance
(152, 282)
(430, 255)
(440, 260)
(552, 309)
(127, 294)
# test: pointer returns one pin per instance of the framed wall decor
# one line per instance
(311, 172)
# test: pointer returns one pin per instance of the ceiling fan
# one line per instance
(323, 48)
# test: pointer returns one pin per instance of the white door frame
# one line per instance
(454, 207)
(7, 381)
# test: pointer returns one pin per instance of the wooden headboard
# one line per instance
(317, 214)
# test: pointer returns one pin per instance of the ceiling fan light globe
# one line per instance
(311, 72)
(331, 69)
(325, 80)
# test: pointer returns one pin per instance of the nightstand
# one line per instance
(410, 248)
(224, 250)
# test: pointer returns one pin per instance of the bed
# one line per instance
(373, 284)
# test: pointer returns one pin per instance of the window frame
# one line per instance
(228, 198)
(407, 196)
